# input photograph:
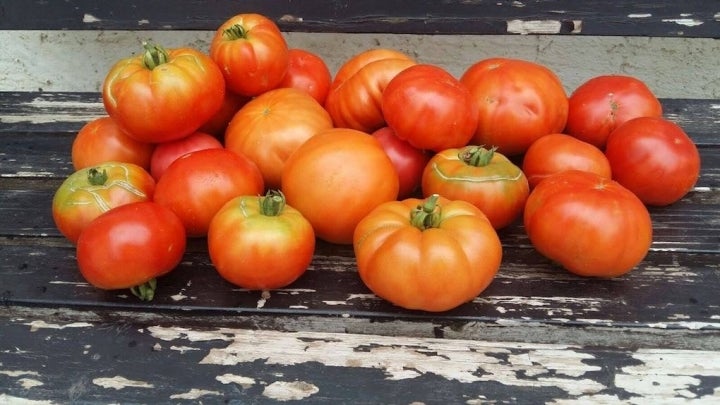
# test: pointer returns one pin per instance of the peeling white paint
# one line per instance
(640, 15)
(119, 382)
(540, 27)
(688, 22)
(18, 373)
(244, 382)
(194, 394)
(178, 297)
(290, 391)
(89, 18)
(264, 296)
(183, 349)
(39, 324)
(13, 400)
(29, 383)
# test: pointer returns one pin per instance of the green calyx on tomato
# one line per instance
(427, 214)
(272, 204)
(154, 56)
(96, 177)
(146, 290)
(235, 32)
(477, 156)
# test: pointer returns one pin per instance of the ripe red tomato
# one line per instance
(518, 102)
(130, 246)
(447, 108)
(443, 256)
(482, 177)
(335, 178)
(408, 160)
(101, 140)
(251, 52)
(654, 158)
(250, 233)
(217, 124)
(198, 184)
(602, 103)
(91, 191)
(589, 224)
(167, 152)
(163, 95)
(554, 153)
(308, 72)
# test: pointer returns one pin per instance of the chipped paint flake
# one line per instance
(540, 27)
(195, 394)
(290, 391)
(244, 382)
(29, 383)
(38, 324)
(688, 22)
(183, 349)
(640, 15)
(89, 18)
(18, 373)
(264, 296)
(119, 382)
(12, 400)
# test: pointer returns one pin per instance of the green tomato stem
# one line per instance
(427, 214)
(145, 291)
(154, 56)
(96, 177)
(235, 32)
(273, 203)
(477, 156)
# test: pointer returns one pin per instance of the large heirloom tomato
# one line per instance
(307, 72)
(517, 102)
(101, 140)
(167, 152)
(408, 160)
(89, 192)
(483, 177)
(589, 224)
(335, 178)
(429, 108)
(654, 158)
(271, 126)
(252, 53)
(163, 95)
(431, 255)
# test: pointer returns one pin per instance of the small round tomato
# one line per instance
(558, 152)
(602, 103)
(308, 72)
(260, 243)
(167, 152)
(335, 178)
(101, 140)
(408, 160)
(431, 255)
(589, 224)
(483, 177)
(446, 107)
(252, 53)
(91, 191)
(654, 158)
(130, 246)
(198, 184)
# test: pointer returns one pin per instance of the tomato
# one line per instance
(483, 177)
(91, 191)
(163, 95)
(601, 104)
(589, 224)
(271, 126)
(251, 52)
(557, 152)
(217, 124)
(101, 140)
(431, 255)
(654, 158)
(355, 97)
(518, 102)
(198, 184)
(335, 178)
(250, 233)
(167, 152)
(308, 72)
(408, 160)
(130, 246)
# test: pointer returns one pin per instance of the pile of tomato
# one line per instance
(261, 150)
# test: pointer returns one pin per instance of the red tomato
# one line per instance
(217, 124)
(163, 95)
(589, 224)
(408, 160)
(308, 72)
(91, 191)
(558, 152)
(198, 184)
(167, 152)
(335, 178)
(518, 102)
(251, 52)
(654, 158)
(249, 234)
(602, 103)
(443, 256)
(446, 106)
(130, 246)
(101, 140)
(482, 177)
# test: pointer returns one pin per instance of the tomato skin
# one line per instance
(446, 106)
(601, 104)
(198, 184)
(591, 225)
(335, 178)
(307, 71)
(554, 153)
(245, 243)
(434, 269)
(158, 103)
(83, 196)
(654, 158)
(252, 53)
(102, 140)
(217, 124)
(497, 187)
(167, 152)
(518, 102)
(271, 126)
(130, 245)
(408, 160)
